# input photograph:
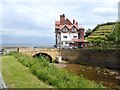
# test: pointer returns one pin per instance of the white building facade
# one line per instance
(68, 34)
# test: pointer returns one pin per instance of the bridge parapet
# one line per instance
(53, 52)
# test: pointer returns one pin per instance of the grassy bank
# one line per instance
(105, 36)
(18, 76)
(52, 75)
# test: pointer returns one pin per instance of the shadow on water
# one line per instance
(109, 78)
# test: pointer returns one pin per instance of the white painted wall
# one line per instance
(69, 38)
(73, 34)
(65, 39)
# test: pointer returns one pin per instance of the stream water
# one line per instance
(109, 78)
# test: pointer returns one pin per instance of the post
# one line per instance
(17, 49)
(59, 57)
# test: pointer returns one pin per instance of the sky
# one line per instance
(33, 21)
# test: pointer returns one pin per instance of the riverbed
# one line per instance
(109, 78)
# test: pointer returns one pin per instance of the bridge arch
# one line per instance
(44, 54)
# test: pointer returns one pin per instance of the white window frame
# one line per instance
(73, 30)
(65, 29)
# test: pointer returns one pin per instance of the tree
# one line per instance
(88, 32)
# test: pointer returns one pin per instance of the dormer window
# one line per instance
(65, 30)
(73, 30)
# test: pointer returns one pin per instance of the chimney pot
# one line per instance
(76, 23)
(62, 19)
(73, 21)
(63, 15)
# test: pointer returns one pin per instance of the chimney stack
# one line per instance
(77, 23)
(73, 21)
(62, 19)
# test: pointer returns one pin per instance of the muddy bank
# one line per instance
(109, 78)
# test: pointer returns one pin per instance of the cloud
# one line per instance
(32, 1)
(36, 18)
(26, 33)
(23, 19)
(105, 11)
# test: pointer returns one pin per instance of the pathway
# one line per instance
(2, 83)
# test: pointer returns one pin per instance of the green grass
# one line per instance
(18, 76)
(105, 36)
(52, 75)
(101, 32)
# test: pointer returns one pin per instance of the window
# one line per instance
(73, 30)
(64, 36)
(65, 30)
(66, 43)
(74, 36)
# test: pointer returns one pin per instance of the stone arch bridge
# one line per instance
(52, 53)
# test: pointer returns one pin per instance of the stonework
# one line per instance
(33, 51)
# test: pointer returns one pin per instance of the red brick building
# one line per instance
(68, 34)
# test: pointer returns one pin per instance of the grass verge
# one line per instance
(18, 76)
(52, 75)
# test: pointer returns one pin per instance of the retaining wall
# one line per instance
(108, 58)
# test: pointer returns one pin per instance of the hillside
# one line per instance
(115, 35)
(105, 36)
(101, 32)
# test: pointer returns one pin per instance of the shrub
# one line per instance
(52, 75)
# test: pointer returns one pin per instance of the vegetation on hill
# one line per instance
(105, 35)
(100, 32)
(115, 35)
(52, 75)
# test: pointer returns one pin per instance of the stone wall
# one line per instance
(53, 52)
(109, 58)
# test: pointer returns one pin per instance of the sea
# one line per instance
(31, 45)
